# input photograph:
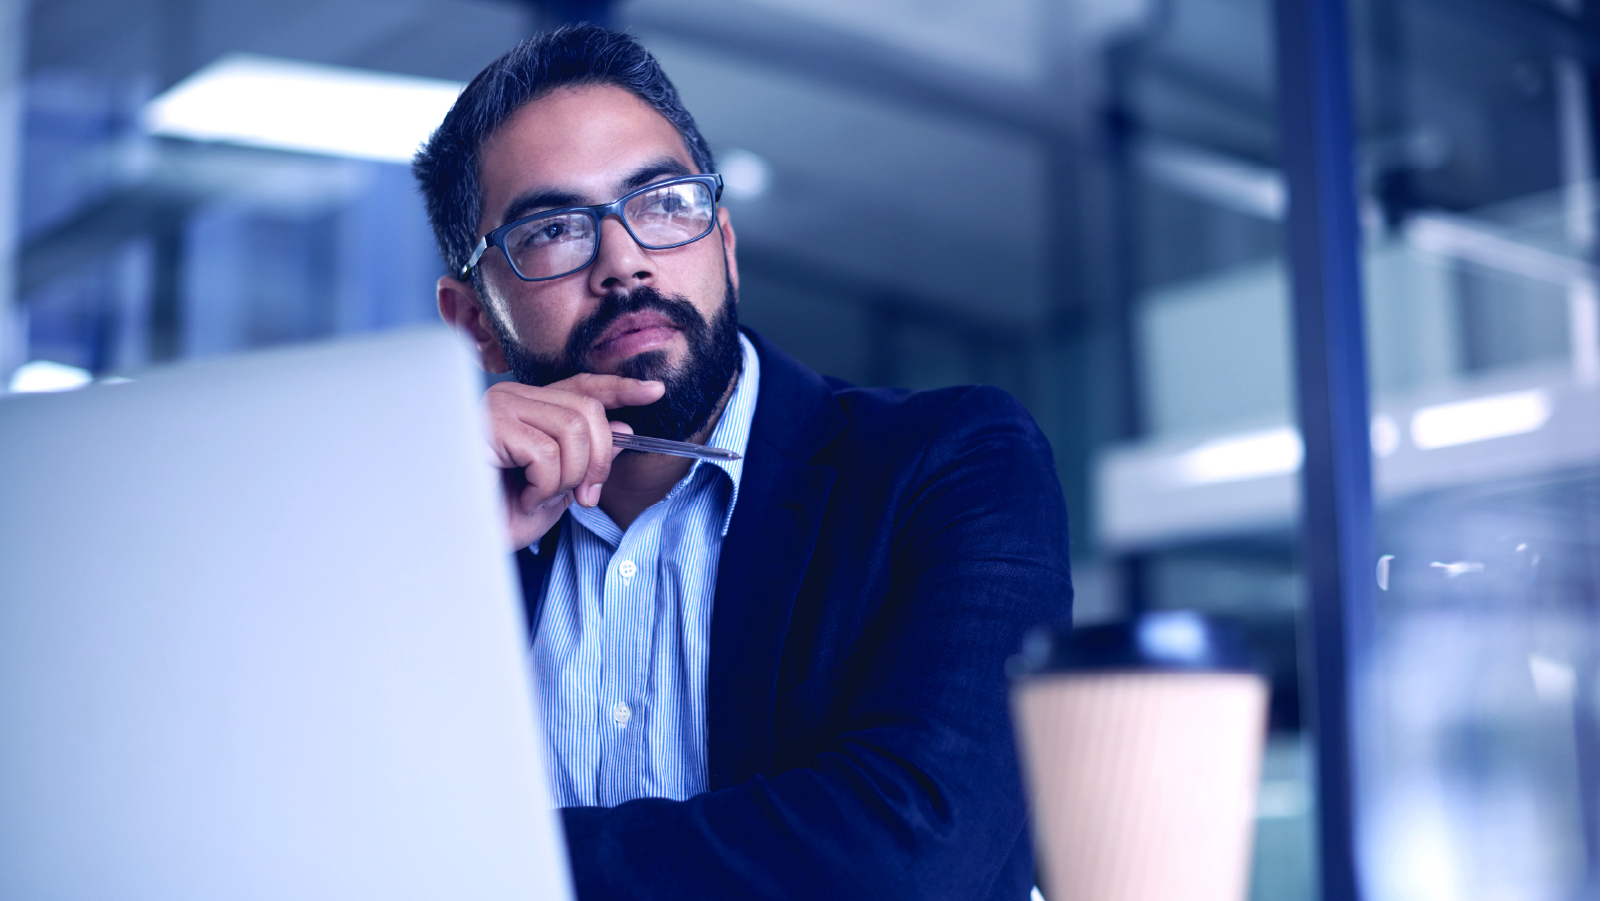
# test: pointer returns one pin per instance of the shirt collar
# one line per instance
(733, 429)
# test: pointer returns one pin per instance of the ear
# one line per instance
(726, 228)
(460, 307)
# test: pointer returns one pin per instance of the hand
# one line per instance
(553, 444)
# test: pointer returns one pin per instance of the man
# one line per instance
(778, 677)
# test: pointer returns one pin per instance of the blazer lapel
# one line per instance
(782, 496)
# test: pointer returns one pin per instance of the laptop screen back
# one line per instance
(259, 638)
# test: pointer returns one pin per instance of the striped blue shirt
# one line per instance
(620, 655)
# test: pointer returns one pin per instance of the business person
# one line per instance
(774, 677)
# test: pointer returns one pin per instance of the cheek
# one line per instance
(539, 321)
(710, 282)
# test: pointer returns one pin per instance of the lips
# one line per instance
(635, 333)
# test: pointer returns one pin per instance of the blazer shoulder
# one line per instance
(807, 412)
(902, 431)
(953, 409)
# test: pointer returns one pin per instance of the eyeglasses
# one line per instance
(560, 242)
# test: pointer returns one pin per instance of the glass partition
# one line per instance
(1196, 494)
(1476, 710)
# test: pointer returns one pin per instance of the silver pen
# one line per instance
(672, 448)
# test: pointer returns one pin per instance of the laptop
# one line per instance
(259, 638)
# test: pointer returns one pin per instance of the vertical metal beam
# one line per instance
(1319, 158)
(13, 50)
(1072, 422)
(166, 323)
(1121, 134)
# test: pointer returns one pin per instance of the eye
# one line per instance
(666, 203)
(547, 232)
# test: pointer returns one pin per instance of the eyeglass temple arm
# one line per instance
(483, 245)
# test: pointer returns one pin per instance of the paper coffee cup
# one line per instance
(1141, 747)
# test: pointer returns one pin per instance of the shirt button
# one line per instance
(621, 714)
(627, 569)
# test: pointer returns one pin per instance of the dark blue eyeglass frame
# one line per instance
(597, 213)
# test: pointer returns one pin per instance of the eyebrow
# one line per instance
(655, 170)
(541, 199)
(537, 200)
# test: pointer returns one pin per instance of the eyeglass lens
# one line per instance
(662, 217)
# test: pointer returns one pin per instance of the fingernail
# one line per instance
(592, 495)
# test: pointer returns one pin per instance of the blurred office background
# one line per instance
(1081, 201)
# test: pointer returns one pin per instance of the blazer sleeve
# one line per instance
(914, 789)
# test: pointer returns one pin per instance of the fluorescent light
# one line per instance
(1480, 419)
(1385, 435)
(1458, 568)
(1249, 456)
(44, 375)
(1227, 182)
(745, 175)
(1175, 634)
(282, 104)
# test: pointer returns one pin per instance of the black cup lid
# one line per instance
(1168, 641)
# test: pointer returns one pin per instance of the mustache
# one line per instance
(618, 304)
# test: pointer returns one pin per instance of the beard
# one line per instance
(693, 389)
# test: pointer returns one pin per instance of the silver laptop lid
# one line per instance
(259, 638)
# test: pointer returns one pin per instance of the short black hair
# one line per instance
(446, 168)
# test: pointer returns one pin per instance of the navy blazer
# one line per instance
(887, 552)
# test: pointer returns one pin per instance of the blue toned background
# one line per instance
(1090, 203)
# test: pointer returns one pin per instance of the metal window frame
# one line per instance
(1323, 231)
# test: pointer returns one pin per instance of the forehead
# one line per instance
(585, 140)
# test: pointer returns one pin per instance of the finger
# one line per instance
(523, 498)
(534, 462)
(597, 465)
(549, 442)
(612, 391)
(522, 429)
(540, 454)
(534, 505)
(528, 520)
(575, 435)
(576, 423)
(514, 408)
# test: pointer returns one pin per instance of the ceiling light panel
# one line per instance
(260, 101)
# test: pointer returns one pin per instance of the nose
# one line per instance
(620, 264)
